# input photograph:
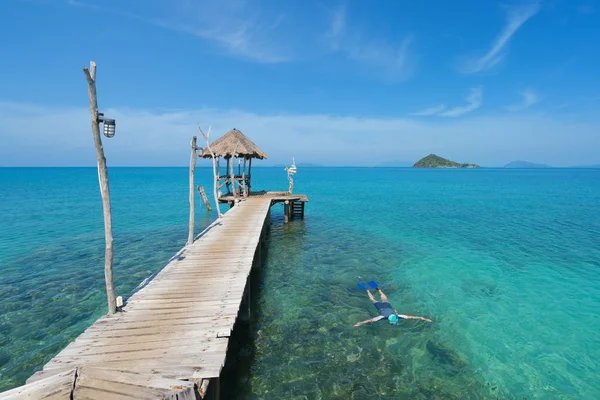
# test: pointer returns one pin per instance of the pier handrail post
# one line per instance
(104, 190)
(207, 136)
(192, 197)
(232, 172)
(204, 198)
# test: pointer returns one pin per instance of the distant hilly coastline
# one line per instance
(587, 166)
(435, 161)
(525, 164)
(529, 164)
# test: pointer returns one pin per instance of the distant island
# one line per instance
(525, 164)
(435, 161)
(587, 166)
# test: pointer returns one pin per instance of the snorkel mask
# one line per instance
(393, 318)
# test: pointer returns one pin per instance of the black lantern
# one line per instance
(109, 125)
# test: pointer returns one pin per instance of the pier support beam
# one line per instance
(286, 211)
(216, 388)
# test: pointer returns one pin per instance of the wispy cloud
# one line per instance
(35, 135)
(474, 100)
(336, 29)
(516, 17)
(234, 27)
(529, 98)
(391, 58)
(430, 111)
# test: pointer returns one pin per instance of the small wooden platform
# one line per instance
(171, 334)
(276, 197)
(293, 204)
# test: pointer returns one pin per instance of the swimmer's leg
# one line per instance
(371, 296)
(383, 296)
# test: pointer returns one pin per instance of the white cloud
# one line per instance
(474, 100)
(393, 59)
(516, 17)
(529, 98)
(430, 111)
(36, 135)
(338, 24)
(235, 27)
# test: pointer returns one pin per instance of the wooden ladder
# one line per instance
(298, 209)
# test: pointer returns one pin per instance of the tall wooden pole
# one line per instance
(214, 161)
(232, 175)
(104, 191)
(192, 167)
(244, 179)
(232, 178)
(249, 175)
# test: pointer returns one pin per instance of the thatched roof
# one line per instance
(234, 140)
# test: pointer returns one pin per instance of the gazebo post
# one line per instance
(232, 178)
(244, 179)
(227, 183)
(249, 175)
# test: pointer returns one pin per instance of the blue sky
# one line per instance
(328, 82)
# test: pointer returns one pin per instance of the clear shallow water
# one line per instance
(506, 263)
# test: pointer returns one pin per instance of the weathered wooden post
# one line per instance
(104, 190)
(204, 198)
(192, 168)
(232, 172)
(214, 162)
(286, 211)
(246, 192)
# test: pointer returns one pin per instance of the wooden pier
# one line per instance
(170, 339)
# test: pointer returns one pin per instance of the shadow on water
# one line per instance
(241, 350)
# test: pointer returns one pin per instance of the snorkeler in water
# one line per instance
(384, 308)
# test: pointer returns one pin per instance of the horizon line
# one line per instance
(592, 166)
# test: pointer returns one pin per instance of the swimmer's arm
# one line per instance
(369, 320)
(413, 317)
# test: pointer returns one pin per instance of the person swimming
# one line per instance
(385, 309)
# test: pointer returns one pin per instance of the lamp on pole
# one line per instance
(109, 125)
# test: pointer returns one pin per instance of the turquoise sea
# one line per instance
(505, 262)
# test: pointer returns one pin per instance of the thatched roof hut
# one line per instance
(234, 141)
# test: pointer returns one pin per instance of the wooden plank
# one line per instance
(135, 379)
(190, 345)
(193, 340)
(163, 328)
(100, 384)
(149, 363)
(58, 386)
(171, 336)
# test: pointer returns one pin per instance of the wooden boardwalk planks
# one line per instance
(101, 384)
(55, 387)
(174, 331)
(175, 327)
